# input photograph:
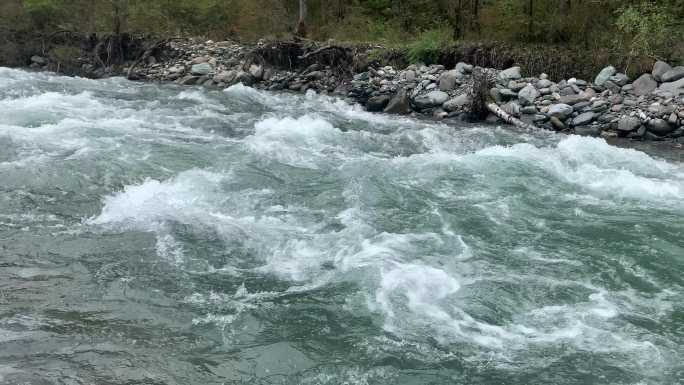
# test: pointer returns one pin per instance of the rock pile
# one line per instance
(650, 107)
(222, 64)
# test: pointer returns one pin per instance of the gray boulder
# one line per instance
(38, 60)
(573, 99)
(560, 111)
(639, 133)
(178, 69)
(614, 88)
(409, 75)
(619, 79)
(673, 74)
(244, 78)
(600, 105)
(581, 106)
(528, 95)
(495, 93)
(507, 94)
(188, 80)
(439, 114)
(628, 124)
(557, 123)
(225, 77)
(201, 69)
(377, 103)
(456, 103)
(314, 75)
(544, 83)
(399, 104)
(448, 80)
(593, 130)
(674, 88)
(256, 71)
(516, 86)
(660, 68)
(659, 127)
(673, 119)
(509, 74)
(529, 110)
(464, 68)
(431, 99)
(583, 119)
(604, 75)
(568, 91)
(644, 85)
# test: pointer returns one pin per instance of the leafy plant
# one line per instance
(427, 47)
(44, 13)
(647, 28)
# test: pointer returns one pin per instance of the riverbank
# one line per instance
(610, 105)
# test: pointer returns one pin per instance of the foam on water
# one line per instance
(146, 206)
(304, 142)
(593, 164)
(415, 299)
(449, 245)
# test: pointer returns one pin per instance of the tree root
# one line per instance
(148, 52)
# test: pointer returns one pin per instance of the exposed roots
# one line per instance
(479, 94)
(297, 55)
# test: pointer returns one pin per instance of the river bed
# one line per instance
(156, 234)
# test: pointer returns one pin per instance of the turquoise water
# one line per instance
(163, 235)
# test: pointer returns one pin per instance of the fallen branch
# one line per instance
(316, 52)
(506, 117)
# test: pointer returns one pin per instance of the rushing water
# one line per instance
(163, 235)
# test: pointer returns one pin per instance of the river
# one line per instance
(156, 234)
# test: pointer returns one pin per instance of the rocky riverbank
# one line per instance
(650, 107)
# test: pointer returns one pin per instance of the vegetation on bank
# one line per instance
(629, 33)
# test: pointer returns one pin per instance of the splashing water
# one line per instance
(166, 235)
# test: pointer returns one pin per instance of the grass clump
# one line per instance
(429, 44)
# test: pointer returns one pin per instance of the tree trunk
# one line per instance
(115, 44)
(530, 25)
(506, 117)
(301, 25)
(475, 19)
(458, 22)
(120, 15)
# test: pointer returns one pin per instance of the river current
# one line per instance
(153, 234)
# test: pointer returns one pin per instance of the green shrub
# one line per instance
(429, 44)
(45, 13)
(64, 53)
(647, 29)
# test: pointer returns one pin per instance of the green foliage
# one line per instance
(637, 28)
(427, 47)
(377, 54)
(63, 54)
(378, 5)
(45, 13)
(647, 27)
